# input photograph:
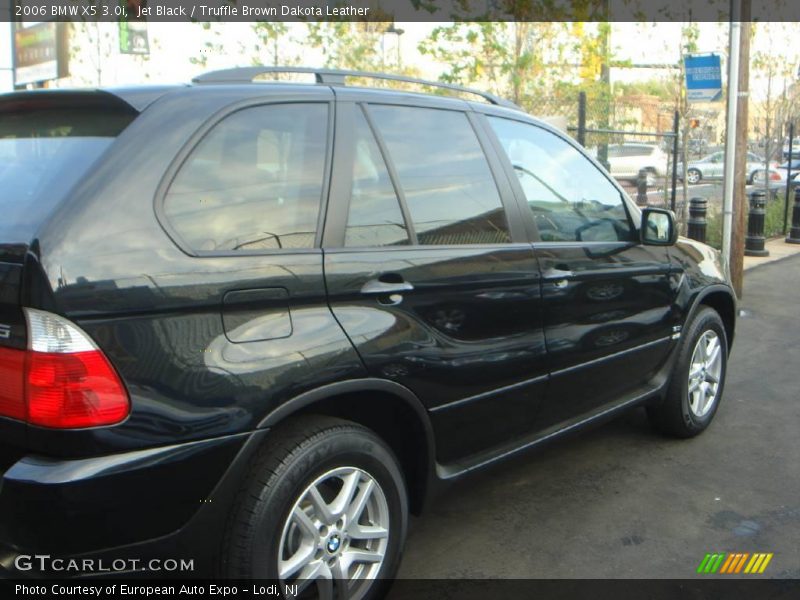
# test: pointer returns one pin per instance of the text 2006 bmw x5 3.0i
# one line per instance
(258, 324)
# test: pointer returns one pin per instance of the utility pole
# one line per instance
(605, 77)
(740, 167)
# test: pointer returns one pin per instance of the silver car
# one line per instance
(713, 167)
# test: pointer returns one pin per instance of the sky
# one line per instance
(173, 43)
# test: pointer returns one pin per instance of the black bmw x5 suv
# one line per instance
(258, 324)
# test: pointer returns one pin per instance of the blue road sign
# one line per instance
(703, 77)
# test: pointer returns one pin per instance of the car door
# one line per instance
(430, 274)
(607, 299)
(713, 167)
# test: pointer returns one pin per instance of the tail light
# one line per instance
(62, 380)
(773, 176)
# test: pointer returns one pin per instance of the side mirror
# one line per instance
(658, 227)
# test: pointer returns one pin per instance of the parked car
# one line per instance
(778, 174)
(713, 167)
(795, 148)
(256, 325)
(626, 160)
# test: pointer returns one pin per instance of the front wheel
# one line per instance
(324, 509)
(698, 378)
(693, 176)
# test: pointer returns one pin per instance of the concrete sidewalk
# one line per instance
(778, 249)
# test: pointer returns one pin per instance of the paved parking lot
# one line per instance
(622, 502)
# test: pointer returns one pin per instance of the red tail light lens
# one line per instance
(12, 383)
(63, 381)
(74, 390)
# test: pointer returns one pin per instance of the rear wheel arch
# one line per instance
(388, 409)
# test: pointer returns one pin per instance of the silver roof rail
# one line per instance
(242, 75)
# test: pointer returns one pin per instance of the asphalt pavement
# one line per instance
(620, 501)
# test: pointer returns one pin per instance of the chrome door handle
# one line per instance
(551, 274)
(560, 284)
(378, 287)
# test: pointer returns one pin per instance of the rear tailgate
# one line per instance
(49, 141)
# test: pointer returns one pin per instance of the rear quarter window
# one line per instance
(254, 182)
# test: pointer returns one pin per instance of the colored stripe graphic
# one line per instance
(764, 564)
(734, 562)
(727, 564)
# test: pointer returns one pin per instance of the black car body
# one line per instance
(458, 340)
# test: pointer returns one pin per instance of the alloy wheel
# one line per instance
(705, 372)
(336, 536)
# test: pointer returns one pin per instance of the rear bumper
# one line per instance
(167, 502)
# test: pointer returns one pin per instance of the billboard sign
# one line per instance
(40, 52)
(133, 37)
(703, 77)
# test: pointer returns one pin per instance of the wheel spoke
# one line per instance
(713, 353)
(693, 385)
(345, 496)
(711, 377)
(357, 506)
(342, 578)
(701, 349)
(300, 559)
(321, 508)
(361, 556)
(702, 399)
(303, 521)
(367, 532)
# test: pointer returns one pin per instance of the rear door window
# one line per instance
(443, 174)
(374, 217)
(254, 182)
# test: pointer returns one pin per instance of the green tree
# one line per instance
(274, 45)
(515, 60)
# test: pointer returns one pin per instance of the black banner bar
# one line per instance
(388, 10)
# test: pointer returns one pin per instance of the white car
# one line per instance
(626, 160)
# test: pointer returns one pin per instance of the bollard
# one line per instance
(697, 219)
(754, 242)
(641, 188)
(794, 232)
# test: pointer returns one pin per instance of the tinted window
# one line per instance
(254, 182)
(444, 176)
(43, 154)
(375, 218)
(570, 198)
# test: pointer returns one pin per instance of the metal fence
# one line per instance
(635, 141)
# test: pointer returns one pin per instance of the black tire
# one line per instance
(293, 458)
(674, 416)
